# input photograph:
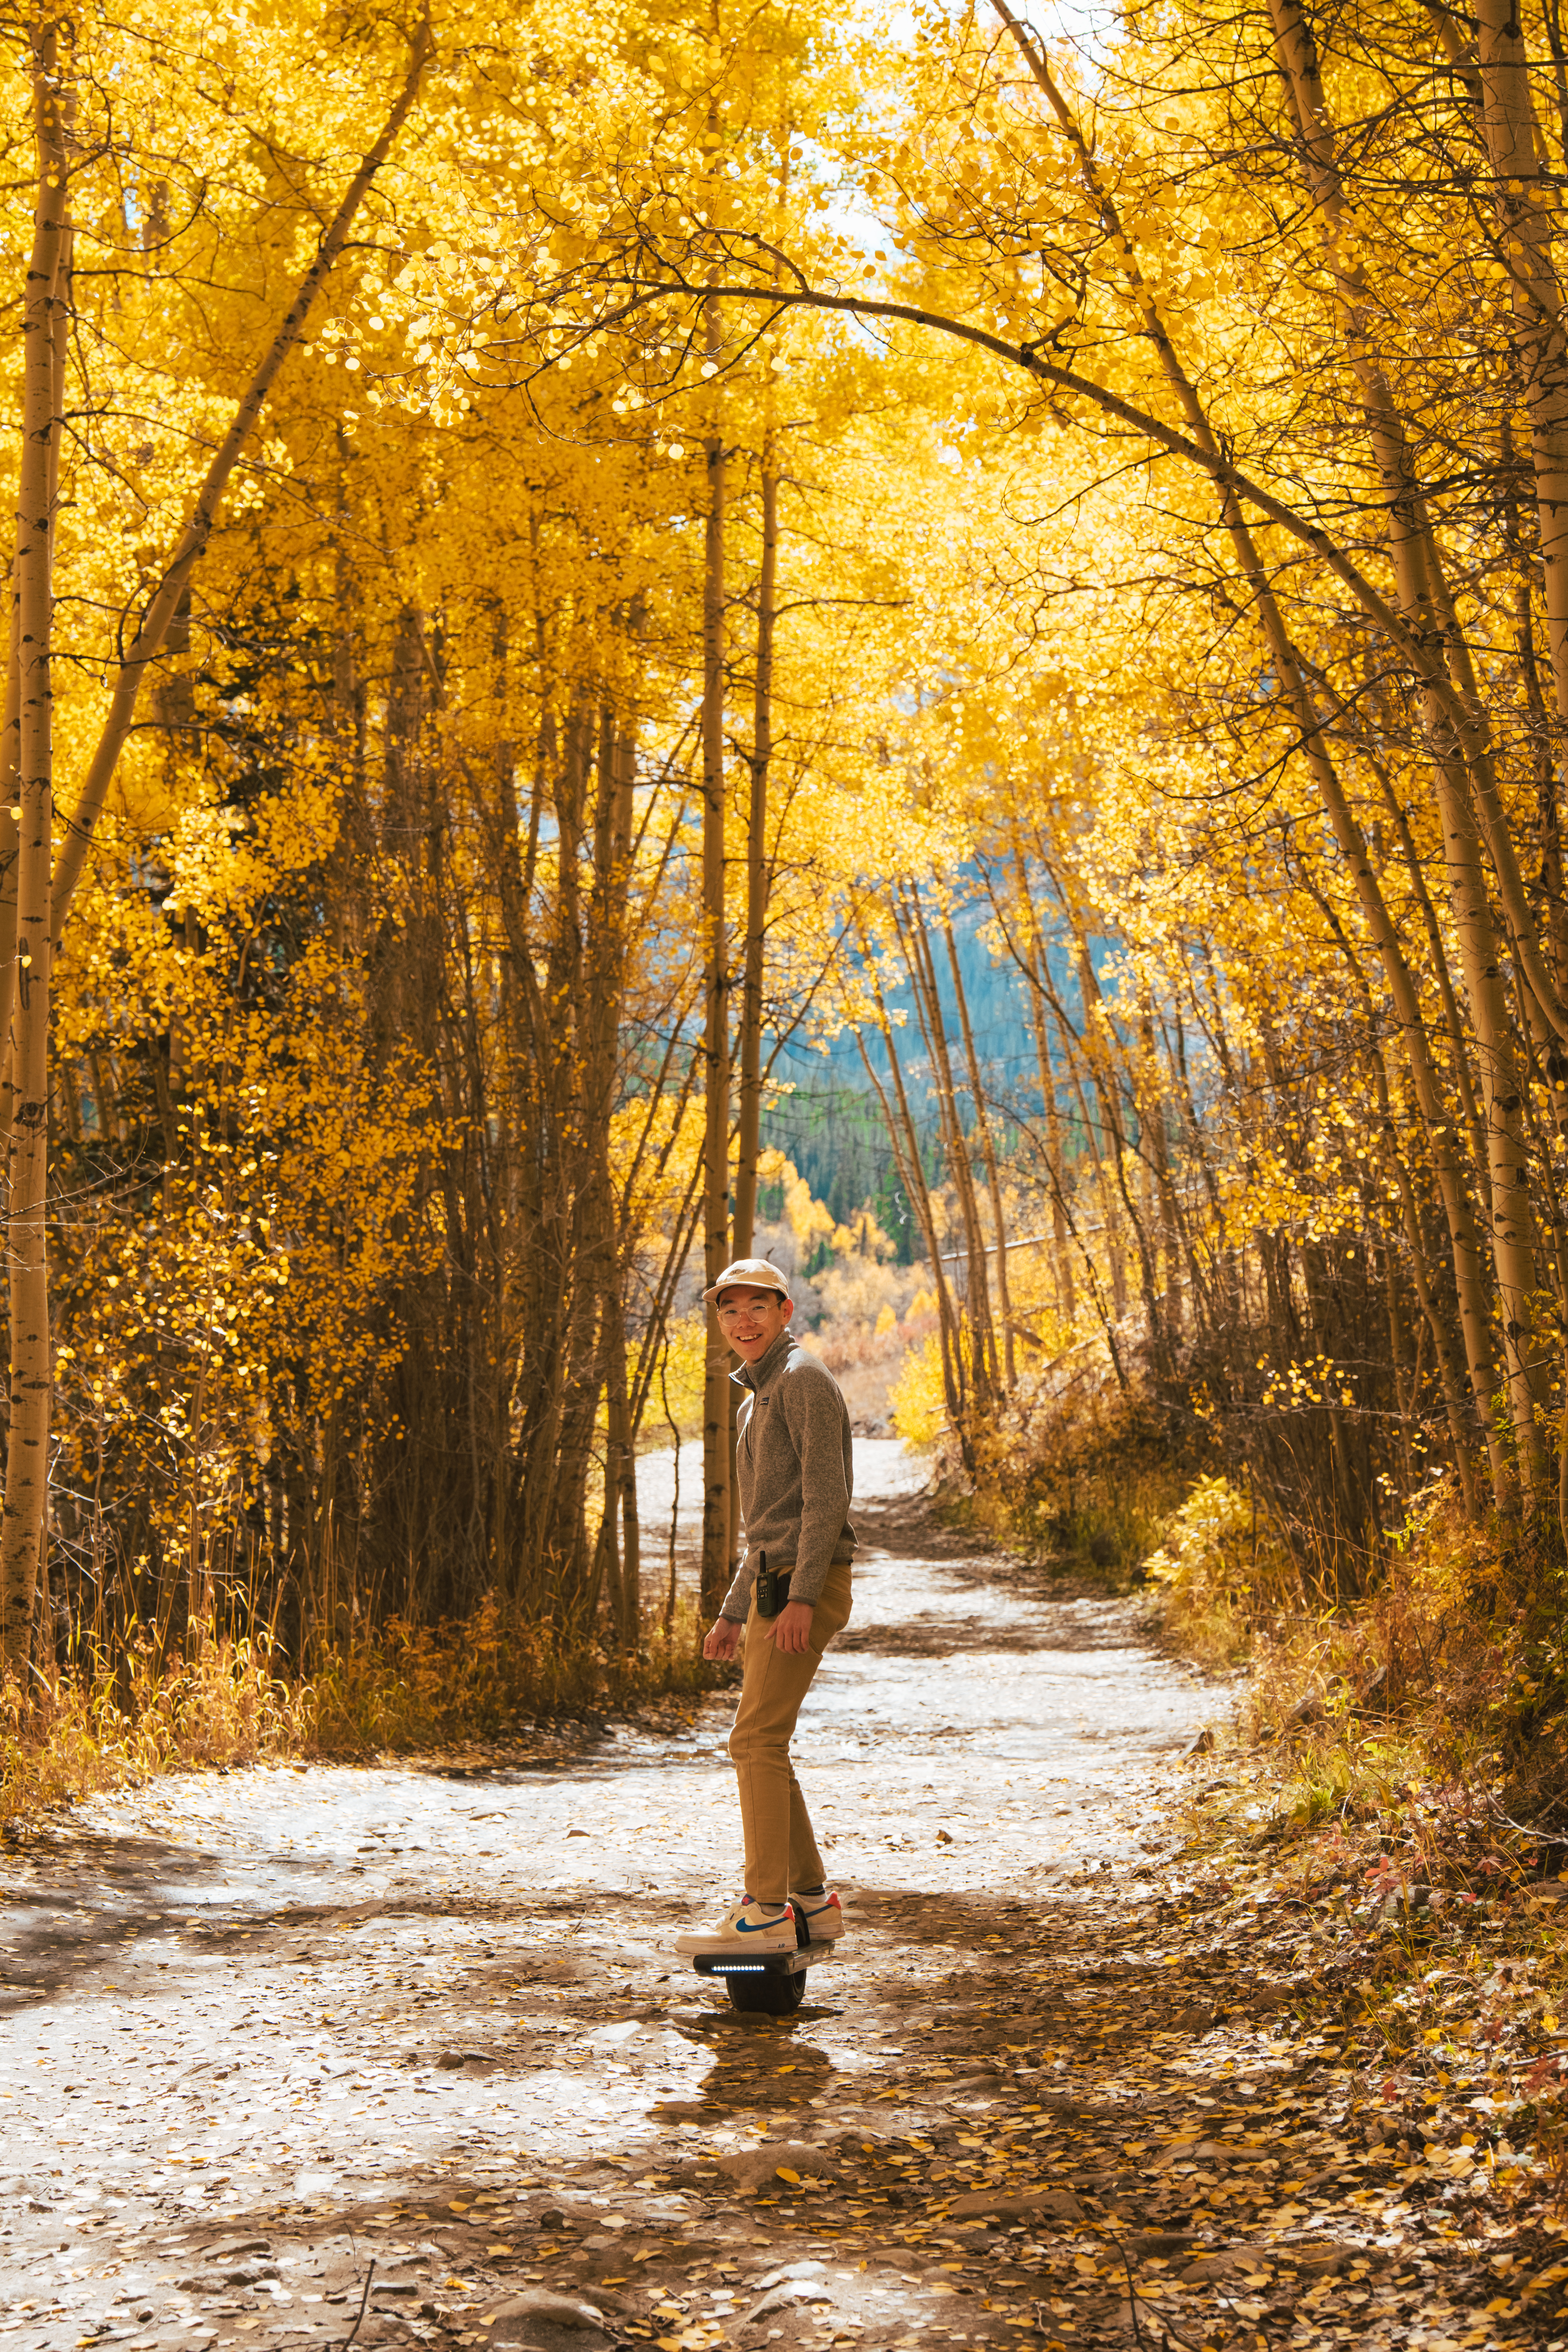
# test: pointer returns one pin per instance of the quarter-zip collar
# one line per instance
(757, 1376)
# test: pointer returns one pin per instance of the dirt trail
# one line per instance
(261, 2028)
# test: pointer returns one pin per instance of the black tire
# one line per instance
(771, 1993)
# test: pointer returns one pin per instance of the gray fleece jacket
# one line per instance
(796, 1471)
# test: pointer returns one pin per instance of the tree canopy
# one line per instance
(560, 557)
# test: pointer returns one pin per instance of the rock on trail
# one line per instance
(260, 2028)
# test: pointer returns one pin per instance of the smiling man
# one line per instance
(794, 1468)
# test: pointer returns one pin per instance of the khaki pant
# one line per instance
(780, 1850)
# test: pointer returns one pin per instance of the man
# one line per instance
(792, 1461)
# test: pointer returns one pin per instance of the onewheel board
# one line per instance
(770, 1983)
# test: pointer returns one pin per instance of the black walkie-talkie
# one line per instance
(772, 1587)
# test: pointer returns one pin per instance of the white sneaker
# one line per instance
(823, 1914)
(750, 1927)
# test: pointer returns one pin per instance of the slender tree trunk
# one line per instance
(27, 1452)
(10, 744)
(1460, 1413)
(1110, 1218)
(591, 944)
(599, 1269)
(549, 1300)
(1102, 1051)
(621, 852)
(1156, 1145)
(911, 1172)
(757, 875)
(1545, 736)
(1448, 1369)
(1528, 204)
(10, 841)
(988, 1152)
(1034, 950)
(717, 1387)
(617, 1556)
(983, 1369)
(984, 1363)
(1459, 1043)
(10, 751)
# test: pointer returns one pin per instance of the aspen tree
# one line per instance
(717, 1501)
(985, 1379)
(31, 1383)
(750, 1057)
(1525, 205)
(988, 1154)
(1031, 960)
(904, 1135)
(1081, 1060)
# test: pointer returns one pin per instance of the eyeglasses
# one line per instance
(747, 1306)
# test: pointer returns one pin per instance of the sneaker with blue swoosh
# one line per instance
(749, 1926)
(820, 1912)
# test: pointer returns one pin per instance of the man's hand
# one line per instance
(791, 1628)
(723, 1638)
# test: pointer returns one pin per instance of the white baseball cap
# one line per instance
(757, 1273)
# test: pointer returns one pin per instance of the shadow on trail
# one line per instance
(928, 1634)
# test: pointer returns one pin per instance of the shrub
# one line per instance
(1206, 1568)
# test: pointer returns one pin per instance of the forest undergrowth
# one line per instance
(118, 1707)
(1383, 1806)
(1440, 1651)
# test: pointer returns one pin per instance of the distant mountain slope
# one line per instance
(830, 1125)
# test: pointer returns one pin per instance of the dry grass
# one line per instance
(102, 1726)
(489, 1679)
(226, 1701)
